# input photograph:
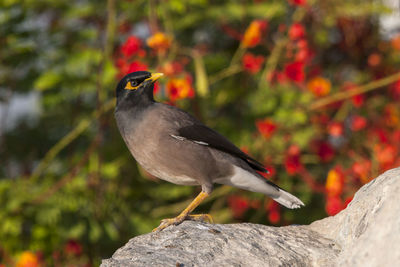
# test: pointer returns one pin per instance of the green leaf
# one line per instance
(201, 75)
(47, 80)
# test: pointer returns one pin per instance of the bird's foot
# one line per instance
(179, 219)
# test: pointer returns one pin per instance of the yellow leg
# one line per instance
(185, 214)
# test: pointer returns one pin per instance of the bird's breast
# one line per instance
(144, 139)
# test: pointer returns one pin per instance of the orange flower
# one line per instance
(396, 42)
(374, 60)
(179, 88)
(27, 259)
(319, 86)
(252, 36)
(159, 42)
(334, 182)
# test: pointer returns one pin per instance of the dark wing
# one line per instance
(203, 135)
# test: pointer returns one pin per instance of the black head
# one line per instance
(137, 85)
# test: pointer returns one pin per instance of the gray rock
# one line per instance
(366, 233)
(368, 230)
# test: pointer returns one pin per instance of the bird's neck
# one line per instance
(134, 104)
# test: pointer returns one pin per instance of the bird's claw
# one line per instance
(179, 219)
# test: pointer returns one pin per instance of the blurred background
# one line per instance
(309, 88)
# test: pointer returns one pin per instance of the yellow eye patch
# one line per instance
(130, 87)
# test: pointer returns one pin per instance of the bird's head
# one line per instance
(135, 84)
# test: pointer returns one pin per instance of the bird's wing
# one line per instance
(203, 135)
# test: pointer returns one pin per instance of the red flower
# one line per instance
(304, 55)
(335, 129)
(324, 151)
(239, 205)
(358, 100)
(333, 205)
(156, 88)
(131, 46)
(73, 248)
(298, 2)
(302, 44)
(252, 63)
(358, 123)
(266, 127)
(292, 160)
(295, 71)
(296, 31)
(273, 210)
(347, 202)
(136, 66)
(395, 88)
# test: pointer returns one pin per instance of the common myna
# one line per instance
(174, 146)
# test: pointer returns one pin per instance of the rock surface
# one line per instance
(366, 233)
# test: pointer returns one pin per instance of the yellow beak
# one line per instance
(155, 76)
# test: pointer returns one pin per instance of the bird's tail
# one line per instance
(288, 200)
(256, 183)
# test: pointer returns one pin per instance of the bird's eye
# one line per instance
(134, 83)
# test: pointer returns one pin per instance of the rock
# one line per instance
(368, 230)
(366, 233)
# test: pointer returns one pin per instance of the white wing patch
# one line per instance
(201, 143)
(181, 138)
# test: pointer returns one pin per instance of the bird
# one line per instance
(174, 146)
